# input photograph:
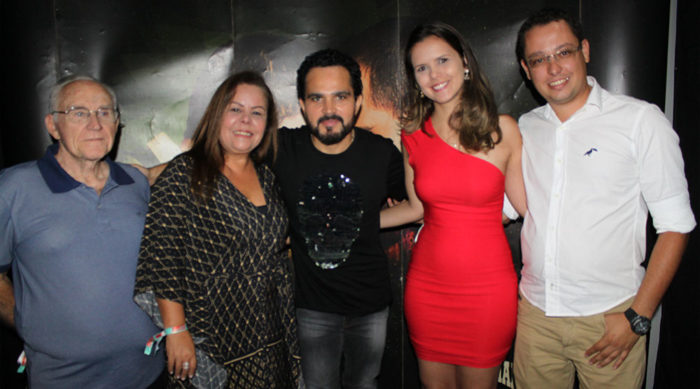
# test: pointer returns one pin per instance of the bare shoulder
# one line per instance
(507, 124)
(509, 129)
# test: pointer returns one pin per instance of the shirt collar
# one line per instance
(59, 181)
(595, 100)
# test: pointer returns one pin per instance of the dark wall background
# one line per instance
(677, 362)
(165, 58)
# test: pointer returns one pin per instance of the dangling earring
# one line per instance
(420, 92)
(466, 74)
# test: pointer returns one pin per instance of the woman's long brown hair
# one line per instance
(476, 117)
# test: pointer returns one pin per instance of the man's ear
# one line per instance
(302, 106)
(358, 104)
(51, 126)
(525, 69)
(586, 50)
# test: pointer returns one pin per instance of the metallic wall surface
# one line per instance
(679, 346)
(628, 46)
(165, 58)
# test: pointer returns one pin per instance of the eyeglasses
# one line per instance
(81, 115)
(563, 54)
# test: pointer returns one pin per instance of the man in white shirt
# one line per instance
(595, 164)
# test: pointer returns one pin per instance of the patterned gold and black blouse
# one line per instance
(224, 261)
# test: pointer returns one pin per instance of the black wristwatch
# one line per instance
(640, 324)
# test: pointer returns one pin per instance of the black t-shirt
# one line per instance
(333, 203)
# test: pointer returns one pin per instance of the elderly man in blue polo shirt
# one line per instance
(70, 228)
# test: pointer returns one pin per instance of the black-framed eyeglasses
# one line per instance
(81, 115)
(562, 54)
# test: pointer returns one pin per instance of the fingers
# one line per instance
(622, 358)
(183, 368)
(182, 363)
(603, 352)
(392, 202)
(192, 368)
(604, 358)
(178, 370)
(171, 364)
(607, 355)
(615, 344)
(186, 369)
(595, 351)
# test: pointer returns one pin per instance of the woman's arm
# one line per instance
(515, 186)
(162, 263)
(407, 211)
(180, 346)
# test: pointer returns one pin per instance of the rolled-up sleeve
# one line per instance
(662, 177)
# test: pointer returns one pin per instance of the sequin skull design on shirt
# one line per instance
(330, 211)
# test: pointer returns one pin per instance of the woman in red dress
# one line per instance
(460, 156)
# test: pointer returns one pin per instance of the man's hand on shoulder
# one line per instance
(615, 344)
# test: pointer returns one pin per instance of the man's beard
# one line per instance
(331, 138)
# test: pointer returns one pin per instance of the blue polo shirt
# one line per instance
(73, 255)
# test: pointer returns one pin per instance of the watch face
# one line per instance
(641, 325)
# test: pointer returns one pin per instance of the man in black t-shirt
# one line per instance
(334, 179)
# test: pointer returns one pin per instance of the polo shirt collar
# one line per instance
(59, 181)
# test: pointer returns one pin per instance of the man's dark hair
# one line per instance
(325, 58)
(542, 17)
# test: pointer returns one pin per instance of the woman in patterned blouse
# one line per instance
(213, 251)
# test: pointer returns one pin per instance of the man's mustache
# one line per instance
(330, 117)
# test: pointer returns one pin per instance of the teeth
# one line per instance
(244, 133)
(559, 82)
(440, 86)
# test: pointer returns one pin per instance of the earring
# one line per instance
(466, 74)
(421, 93)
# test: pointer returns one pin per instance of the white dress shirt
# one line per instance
(590, 183)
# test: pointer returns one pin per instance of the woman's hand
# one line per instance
(180, 347)
(181, 358)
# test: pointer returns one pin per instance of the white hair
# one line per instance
(58, 89)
